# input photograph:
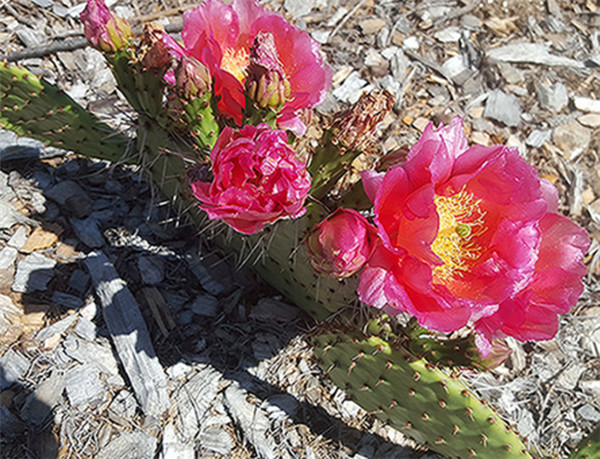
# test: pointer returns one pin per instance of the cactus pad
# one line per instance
(31, 107)
(415, 397)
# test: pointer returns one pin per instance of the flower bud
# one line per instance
(341, 244)
(154, 53)
(266, 83)
(103, 29)
(192, 77)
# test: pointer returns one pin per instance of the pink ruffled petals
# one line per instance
(554, 288)
(257, 179)
(469, 235)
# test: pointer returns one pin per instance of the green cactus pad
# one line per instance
(589, 447)
(200, 120)
(31, 107)
(416, 398)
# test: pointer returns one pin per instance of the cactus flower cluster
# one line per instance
(462, 238)
(456, 236)
(470, 236)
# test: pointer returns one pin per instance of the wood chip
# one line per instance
(251, 420)
(41, 239)
(130, 335)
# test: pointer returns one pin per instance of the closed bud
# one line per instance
(266, 83)
(106, 31)
(341, 244)
(192, 77)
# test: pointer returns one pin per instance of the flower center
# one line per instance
(236, 63)
(461, 222)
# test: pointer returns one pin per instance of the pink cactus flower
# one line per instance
(102, 28)
(257, 179)
(341, 244)
(221, 36)
(466, 236)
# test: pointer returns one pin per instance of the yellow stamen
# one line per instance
(461, 221)
(236, 63)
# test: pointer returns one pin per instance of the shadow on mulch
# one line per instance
(29, 438)
(223, 341)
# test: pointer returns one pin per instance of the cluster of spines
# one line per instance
(415, 397)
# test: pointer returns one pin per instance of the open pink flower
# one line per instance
(221, 36)
(465, 236)
(341, 244)
(102, 28)
(257, 179)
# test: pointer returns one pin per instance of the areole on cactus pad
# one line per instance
(460, 238)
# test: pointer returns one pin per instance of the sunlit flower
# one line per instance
(222, 35)
(341, 244)
(465, 238)
(257, 179)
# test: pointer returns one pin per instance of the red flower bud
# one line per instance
(341, 244)
(192, 77)
(103, 29)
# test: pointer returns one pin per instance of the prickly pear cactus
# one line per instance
(415, 397)
(407, 392)
(31, 107)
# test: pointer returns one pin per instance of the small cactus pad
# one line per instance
(33, 108)
(589, 447)
(415, 397)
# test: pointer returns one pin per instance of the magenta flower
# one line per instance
(257, 179)
(341, 244)
(221, 36)
(465, 238)
(102, 28)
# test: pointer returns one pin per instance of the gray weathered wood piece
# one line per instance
(129, 334)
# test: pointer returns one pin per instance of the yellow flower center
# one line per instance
(236, 62)
(461, 222)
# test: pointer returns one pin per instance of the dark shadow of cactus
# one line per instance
(227, 336)
(20, 436)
